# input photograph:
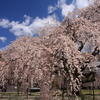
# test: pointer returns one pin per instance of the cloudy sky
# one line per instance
(22, 17)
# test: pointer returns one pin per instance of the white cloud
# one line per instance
(3, 48)
(81, 3)
(19, 29)
(3, 39)
(51, 9)
(61, 2)
(27, 20)
(68, 8)
(28, 26)
(4, 23)
(50, 20)
(63, 6)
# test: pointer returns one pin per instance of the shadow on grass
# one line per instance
(36, 96)
(14, 96)
(89, 97)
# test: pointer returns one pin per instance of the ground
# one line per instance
(87, 95)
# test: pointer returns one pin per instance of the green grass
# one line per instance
(86, 95)
(90, 92)
(14, 96)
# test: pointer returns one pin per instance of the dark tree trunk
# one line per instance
(18, 88)
(27, 93)
(63, 94)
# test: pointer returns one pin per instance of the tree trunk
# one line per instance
(18, 88)
(25, 91)
(45, 91)
(63, 94)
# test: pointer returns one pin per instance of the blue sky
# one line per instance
(22, 17)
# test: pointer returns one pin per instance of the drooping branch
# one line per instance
(95, 52)
(81, 45)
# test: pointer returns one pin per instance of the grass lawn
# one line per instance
(86, 95)
(14, 96)
(90, 92)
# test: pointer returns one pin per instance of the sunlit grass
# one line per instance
(86, 95)
(90, 91)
